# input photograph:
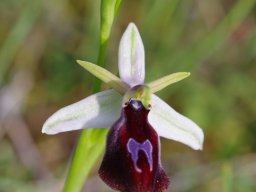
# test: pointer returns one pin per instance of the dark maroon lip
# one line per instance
(132, 158)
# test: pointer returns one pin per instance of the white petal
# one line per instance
(98, 110)
(170, 124)
(131, 57)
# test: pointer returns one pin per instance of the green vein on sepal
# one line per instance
(163, 82)
(106, 76)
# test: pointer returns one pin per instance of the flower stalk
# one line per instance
(79, 170)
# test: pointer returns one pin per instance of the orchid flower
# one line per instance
(137, 118)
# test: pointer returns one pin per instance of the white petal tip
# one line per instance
(132, 26)
(48, 132)
(198, 146)
(47, 128)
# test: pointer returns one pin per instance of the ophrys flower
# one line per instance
(132, 158)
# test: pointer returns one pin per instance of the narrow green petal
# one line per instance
(163, 82)
(106, 76)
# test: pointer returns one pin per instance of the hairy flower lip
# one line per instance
(133, 148)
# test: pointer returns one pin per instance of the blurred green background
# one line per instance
(214, 40)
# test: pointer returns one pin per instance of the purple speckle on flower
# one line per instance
(133, 147)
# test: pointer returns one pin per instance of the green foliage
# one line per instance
(16, 37)
(68, 73)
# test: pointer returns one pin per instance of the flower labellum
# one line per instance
(133, 148)
(132, 157)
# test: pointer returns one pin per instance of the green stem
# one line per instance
(100, 62)
(109, 9)
(91, 142)
(89, 147)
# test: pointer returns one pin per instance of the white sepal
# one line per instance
(99, 110)
(131, 57)
(170, 124)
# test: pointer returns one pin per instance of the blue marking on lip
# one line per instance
(134, 147)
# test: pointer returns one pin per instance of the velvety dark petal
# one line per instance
(132, 159)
